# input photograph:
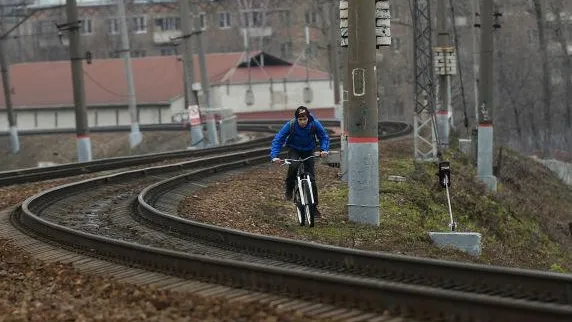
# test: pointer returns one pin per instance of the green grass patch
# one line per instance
(521, 224)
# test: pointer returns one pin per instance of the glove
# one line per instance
(324, 154)
(276, 160)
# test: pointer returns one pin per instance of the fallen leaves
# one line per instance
(35, 291)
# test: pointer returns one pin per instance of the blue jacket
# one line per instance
(302, 139)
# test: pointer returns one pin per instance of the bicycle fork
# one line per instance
(307, 179)
(301, 190)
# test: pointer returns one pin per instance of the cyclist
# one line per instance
(299, 135)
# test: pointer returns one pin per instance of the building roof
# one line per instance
(157, 79)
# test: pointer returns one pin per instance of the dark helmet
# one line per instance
(302, 110)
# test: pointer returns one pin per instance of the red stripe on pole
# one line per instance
(83, 136)
(485, 125)
(354, 139)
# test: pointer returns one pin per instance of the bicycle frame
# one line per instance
(301, 179)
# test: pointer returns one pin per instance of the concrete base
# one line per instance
(344, 158)
(490, 182)
(135, 137)
(14, 140)
(212, 132)
(197, 136)
(467, 242)
(363, 181)
(465, 146)
(83, 149)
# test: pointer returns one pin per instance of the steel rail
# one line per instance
(20, 176)
(348, 291)
(531, 285)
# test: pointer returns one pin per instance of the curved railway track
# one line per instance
(72, 169)
(131, 217)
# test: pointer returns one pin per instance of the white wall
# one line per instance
(233, 96)
(64, 118)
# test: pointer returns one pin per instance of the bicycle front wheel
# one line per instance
(300, 211)
(309, 214)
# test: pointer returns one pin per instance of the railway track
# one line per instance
(20, 176)
(111, 209)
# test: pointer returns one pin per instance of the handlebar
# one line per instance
(289, 161)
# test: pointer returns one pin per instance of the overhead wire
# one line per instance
(456, 40)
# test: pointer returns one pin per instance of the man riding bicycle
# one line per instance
(300, 136)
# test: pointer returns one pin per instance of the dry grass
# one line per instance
(522, 225)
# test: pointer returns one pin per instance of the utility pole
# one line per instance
(363, 197)
(486, 103)
(210, 119)
(81, 125)
(197, 127)
(443, 62)
(135, 136)
(475, 131)
(339, 112)
(335, 57)
(14, 140)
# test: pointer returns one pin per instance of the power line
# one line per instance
(456, 37)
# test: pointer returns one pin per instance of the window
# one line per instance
(396, 43)
(311, 17)
(86, 27)
(286, 50)
(278, 97)
(168, 51)
(138, 53)
(224, 20)
(113, 26)
(285, 18)
(168, 23)
(203, 20)
(252, 18)
(461, 21)
(139, 24)
(45, 26)
(312, 49)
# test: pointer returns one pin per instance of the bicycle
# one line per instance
(303, 195)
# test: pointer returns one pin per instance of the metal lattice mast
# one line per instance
(424, 118)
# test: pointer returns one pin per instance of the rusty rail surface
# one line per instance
(430, 290)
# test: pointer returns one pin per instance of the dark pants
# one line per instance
(293, 169)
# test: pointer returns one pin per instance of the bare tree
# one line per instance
(560, 35)
(546, 79)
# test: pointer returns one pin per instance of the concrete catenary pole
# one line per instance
(443, 42)
(135, 136)
(196, 129)
(363, 179)
(210, 119)
(476, 26)
(14, 140)
(81, 125)
(333, 46)
(486, 103)
(346, 164)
